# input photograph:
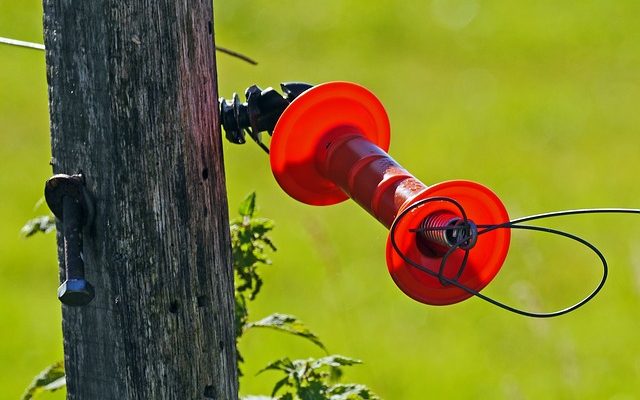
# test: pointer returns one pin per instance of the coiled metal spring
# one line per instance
(448, 230)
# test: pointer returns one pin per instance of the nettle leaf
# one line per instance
(311, 379)
(42, 223)
(335, 374)
(283, 364)
(314, 390)
(57, 384)
(249, 243)
(249, 247)
(301, 370)
(50, 379)
(287, 324)
(350, 392)
(248, 205)
(282, 382)
(334, 361)
(261, 226)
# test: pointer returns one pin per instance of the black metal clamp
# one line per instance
(259, 113)
(70, 202)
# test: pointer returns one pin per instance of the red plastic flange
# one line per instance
(482, 206)
(319, 114)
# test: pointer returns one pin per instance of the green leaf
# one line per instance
(282, 382)
(308, 379)
(334, 361)
(288, 324)
(57, 384)
(248, 205)
(261, 226)
(314, 390)
(335, 374)
(50, 379)
(251, 397)
(283, 364)
(43, 223)
(350, 391)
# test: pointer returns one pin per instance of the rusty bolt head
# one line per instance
(76, 292)
(62, 185)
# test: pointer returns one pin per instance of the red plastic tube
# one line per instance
(369, 176)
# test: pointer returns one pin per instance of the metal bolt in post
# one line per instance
(68, 199)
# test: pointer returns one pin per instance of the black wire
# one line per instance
(562, 213)
(513, 224)
(256, 139)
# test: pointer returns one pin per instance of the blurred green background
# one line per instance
(537, 100)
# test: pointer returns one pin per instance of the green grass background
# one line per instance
(537, 100)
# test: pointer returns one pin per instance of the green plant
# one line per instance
(316, 379)
(43, 223)
(49, 380)
(307, 379)
(250, 243)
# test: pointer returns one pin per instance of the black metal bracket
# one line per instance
(69, 200)
(259, 113)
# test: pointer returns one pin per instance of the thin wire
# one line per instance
(513, 224)
(21, 43)
(235, 54)
(38, 46)
(562, 213)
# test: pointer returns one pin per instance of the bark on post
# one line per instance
(133, 94)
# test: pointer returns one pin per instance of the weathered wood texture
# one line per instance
(133, 94)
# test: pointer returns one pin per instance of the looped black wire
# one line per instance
(513, 224)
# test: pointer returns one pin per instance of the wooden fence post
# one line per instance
(133, 99)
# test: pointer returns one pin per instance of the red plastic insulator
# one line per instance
(330, 144)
